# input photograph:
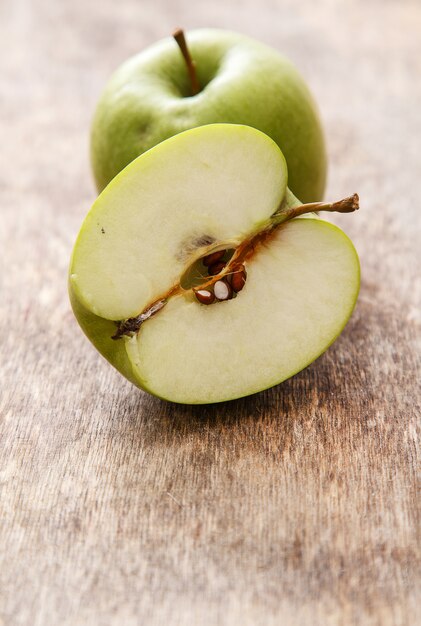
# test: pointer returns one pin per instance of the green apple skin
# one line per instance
(148, 100)
(99, 331)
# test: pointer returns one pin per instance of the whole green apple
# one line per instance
(152, 97)
(200, 277)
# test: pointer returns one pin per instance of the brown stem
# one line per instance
(191, 66)
(132, 325)
(247, 248)
(347, 205)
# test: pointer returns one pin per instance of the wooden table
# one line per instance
(297, 506)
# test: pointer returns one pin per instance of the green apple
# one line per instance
(152, 97)
(198, 275)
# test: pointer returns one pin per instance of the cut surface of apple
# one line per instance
(215, 183)
(205, 190)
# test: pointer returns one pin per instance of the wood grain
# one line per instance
(297, 506)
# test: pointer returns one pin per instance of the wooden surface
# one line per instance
(297, 506)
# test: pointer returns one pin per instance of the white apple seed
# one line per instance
(222, 290)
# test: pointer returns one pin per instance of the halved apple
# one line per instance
(146, 292)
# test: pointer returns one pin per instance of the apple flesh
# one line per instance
(132, 275)
(242, 81)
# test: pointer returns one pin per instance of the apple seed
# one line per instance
(216, 268)
(212, 258)
(238, 278)
(204, 296)
(223, 290)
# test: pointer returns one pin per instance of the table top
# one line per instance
(296, 506)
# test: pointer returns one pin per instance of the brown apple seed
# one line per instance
(216, 268)
(204, 296)
(212, 258)
(238, 279)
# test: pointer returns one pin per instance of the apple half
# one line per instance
(138, 265)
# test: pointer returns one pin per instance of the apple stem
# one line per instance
(247, 248)
(132, 325)
(347, 205)
(191, 66)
